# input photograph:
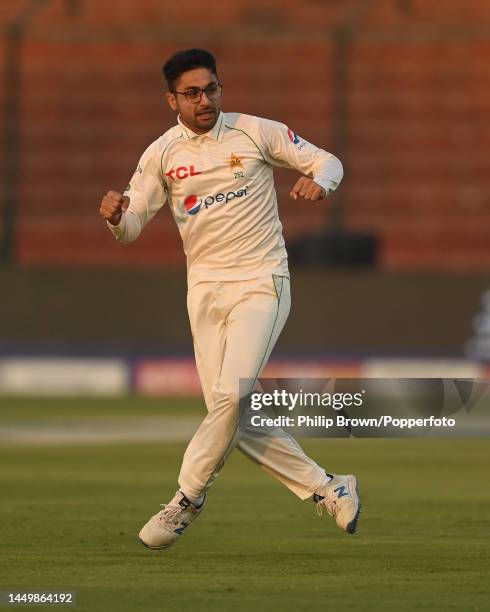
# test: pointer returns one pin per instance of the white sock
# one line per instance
(328, 478)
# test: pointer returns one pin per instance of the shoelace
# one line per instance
(169, 514)
(329, 504)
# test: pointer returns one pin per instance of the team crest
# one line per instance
(235, 162)
(236, 165)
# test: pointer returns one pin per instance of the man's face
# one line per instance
(201, 116)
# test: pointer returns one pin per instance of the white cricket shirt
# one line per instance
(220, 189)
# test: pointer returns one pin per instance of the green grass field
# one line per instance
(71, 513)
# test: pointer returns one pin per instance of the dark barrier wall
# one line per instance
(333, 312)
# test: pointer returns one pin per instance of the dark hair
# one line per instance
(185, 60)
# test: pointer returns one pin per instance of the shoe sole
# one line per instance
(352, 526)
(154, 547)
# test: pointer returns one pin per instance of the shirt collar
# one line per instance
(215, 133)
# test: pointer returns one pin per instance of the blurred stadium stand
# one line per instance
(398, 89)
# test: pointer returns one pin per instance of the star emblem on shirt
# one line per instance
(235, 162)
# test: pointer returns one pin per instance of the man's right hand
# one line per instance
(112, 207)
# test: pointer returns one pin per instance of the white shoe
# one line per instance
(341, 500)
(164, 528)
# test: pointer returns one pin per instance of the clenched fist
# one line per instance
(307, 188)
(112, 207)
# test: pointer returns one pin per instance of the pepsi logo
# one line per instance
(294, 138)
(192, 204)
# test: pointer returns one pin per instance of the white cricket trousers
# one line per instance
(235, 325)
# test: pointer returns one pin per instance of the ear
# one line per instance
(172, 102)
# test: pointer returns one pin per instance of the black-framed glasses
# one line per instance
(193, 95)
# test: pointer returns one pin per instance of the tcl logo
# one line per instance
(182, 172)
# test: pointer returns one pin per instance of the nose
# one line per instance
(204, 99)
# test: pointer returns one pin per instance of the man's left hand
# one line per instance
(309, 190)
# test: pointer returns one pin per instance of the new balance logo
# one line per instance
(342, 491)
(179, 530)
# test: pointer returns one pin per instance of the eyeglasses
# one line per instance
(193, 95)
